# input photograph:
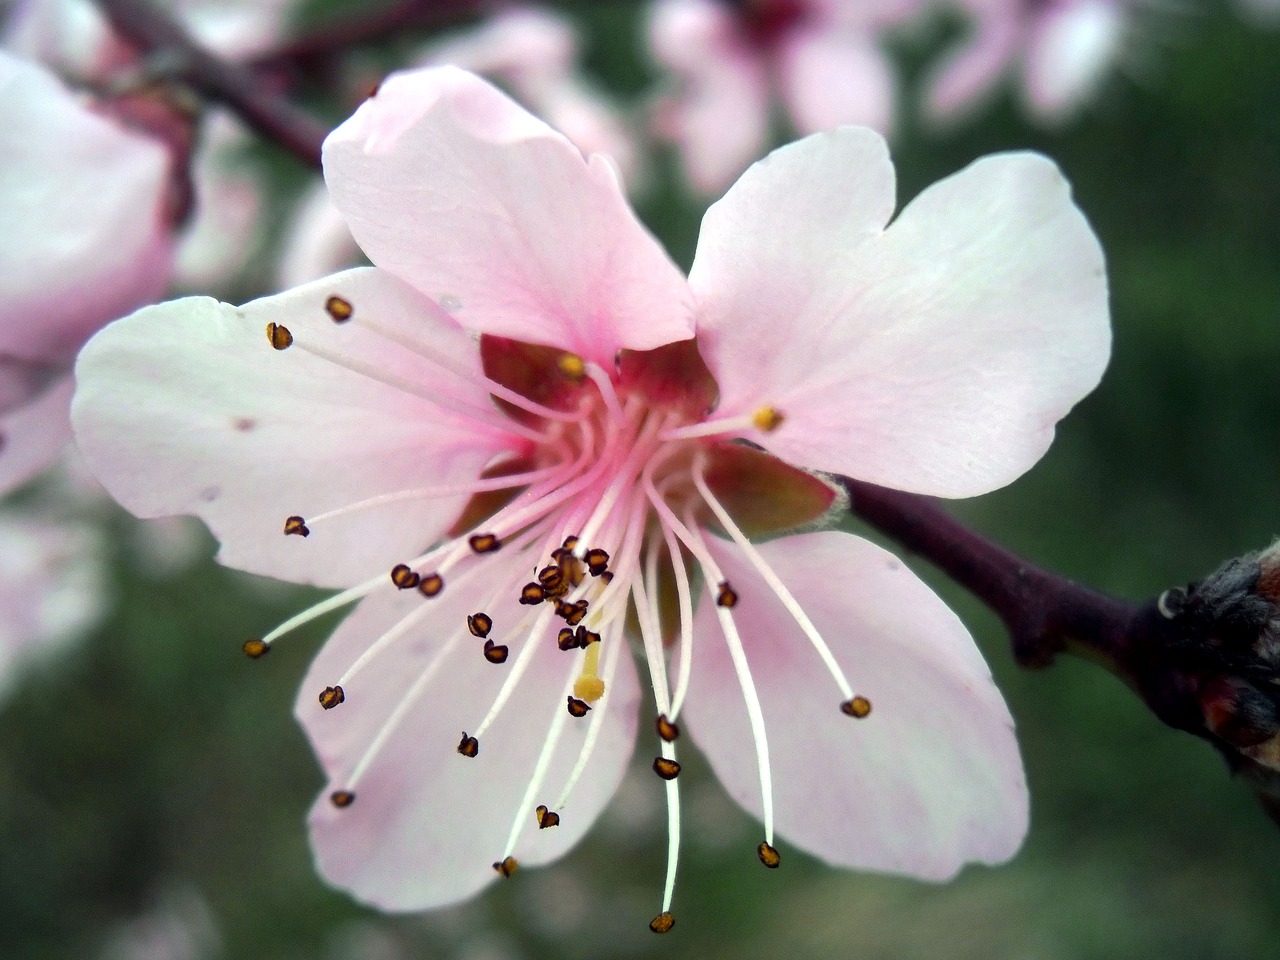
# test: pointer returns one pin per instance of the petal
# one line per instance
(930, 780)
(719, 115)
(82, 201)
(453, 188)
(186, 408)
(934, 357)
(427, 823)
(831, 77)
(34, 434)
(964, 78)
(1069, 53)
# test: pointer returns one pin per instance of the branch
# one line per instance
(267, 113)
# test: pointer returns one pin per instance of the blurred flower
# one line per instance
(1066, 50)
(179, 926)
(821, 58)
(508, 413)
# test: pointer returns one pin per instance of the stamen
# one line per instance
(684, 595)
(330, 697)
(479, 624)
(725, 595)
(597, 561)
(769, 855)
(523, 659)
(506, 866)
(567, 639)
(339, 310)
(667, 730)
(546, 818)
(610, 396)
(335, 602)
(532, 594)
(403, 577)
(572, 366)
(663, 922)
(297, 527)
(859, 707)
(431, 585)
(484, 543)
(468, 746)
(255, 648)
(727, 426)
(596, 723)
(342, 799)
(495, 653)
(666, 768)
(577, 708)
(278, 336)
(767, 419)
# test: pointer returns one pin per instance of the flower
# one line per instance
(820, 56)
(510, 508)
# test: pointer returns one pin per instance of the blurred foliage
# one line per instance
(155, 758)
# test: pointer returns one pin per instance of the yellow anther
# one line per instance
(767, 419)
(278, 336)
(769, 855)
(256, 648)
(506, 867)
(667, 730)
(339, 310)
(858, 708)
(572, 366)
(662, 923)
(431, 584)
(330, 697)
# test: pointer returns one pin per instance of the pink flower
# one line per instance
(1066, 49)
(821, 58)
(87, 239)
(579, 460)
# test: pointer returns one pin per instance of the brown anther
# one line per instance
(255, 648)
(431, 585)
(506, 867)
(577, 708)
(532, 594)
(296, 527)
(330, 697)
(662, 923)
(468, 746)
(484, 542)
(667, 730)
(666, 769)
(586, 637)
(546, 818)
(551, 577)
(403, 577)
(597, 561)
(607, 577)
(339, 309)
(726, 596)
(570, 544)
(566, 640)
(858, 708)
(495, 653)
(767, 419)
(278, 336)
(769, 855)
(572, 366)
(479, 624)
(571, 613)
(342, 798)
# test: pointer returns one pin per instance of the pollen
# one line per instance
(767, 419)
(468, 746)
(769, 855)
(342, 799)
(577, 708)
(431, 585)
(278, 336)
(479, 624)
(507, 866)
(330, 697)
(546, 818)
(572, 366)
(726, 596)
(663, 922)
(858, 708)
(665, 768)
(339, 309)
(484, 543)
(403, 577)
(255, 648)
(296, 527)
(667, 730)
(532, 594)
(495, 653)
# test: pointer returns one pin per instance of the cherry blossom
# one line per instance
(530, 447)
(821, 58)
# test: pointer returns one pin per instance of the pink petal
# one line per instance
(34, 434)
(449, 185)
(929, 781)
(1070, 51)
(82, 201)
(936, 356)
(718, 115)
(427, 824)
(831, 76)
(244, 436)
(964, 78)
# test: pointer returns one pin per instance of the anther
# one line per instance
(532, 594)
(667, 730)
(296, 526)
(278, 336)
(597, 561)
(495, 653)
(577, 708)
(570, 544)
(342, 798)
(255, 648)
(571, 613)
(767, 419)
(546, 818)
(586, 637)
(403, 577)
(479, 624)
(607, 577)
(858, 708)
(468, 746)
(506, 866)
(726, 596)
(572, 366)
(431, 585)
(337, 308)
(484, 542)
(567, 640)
(551, 577)
(665, 768)
(330, 697)
(769, 855)
(662, 923)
